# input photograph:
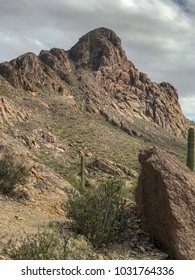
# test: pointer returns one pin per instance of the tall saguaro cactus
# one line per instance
(190, 149)
(82, 171)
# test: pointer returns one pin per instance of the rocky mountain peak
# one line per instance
(26, 60)
(100, 47)
(97, 73)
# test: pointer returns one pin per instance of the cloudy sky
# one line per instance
(157, 35)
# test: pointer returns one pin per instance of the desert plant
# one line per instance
(48, 244)
(100, 214)
(12, 173)
(190, 149)
(79, 248)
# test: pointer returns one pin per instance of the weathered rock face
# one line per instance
(36, 73)
(121, 92)
(57, 60)
(97, 69)
(165, 199)
(133, 95)
(98, 47)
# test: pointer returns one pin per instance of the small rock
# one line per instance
(18, 218)
(139, 231)
(142, 249)
(134, 173)
(89, 154)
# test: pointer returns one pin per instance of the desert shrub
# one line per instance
(79, 248)
(12, 173)
(51, 244)
(48, 244)
(99, 214)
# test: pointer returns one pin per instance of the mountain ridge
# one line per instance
(97, 74)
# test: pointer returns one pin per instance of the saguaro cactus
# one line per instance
(190, 149)
(82, 171)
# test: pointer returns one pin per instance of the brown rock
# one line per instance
(125, 77)
(47, 71)
(144, 78)
(100, 47)
(57, 60)
(10, 114)
(110, 167)
(165, 199)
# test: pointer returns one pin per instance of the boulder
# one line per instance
(165, 198)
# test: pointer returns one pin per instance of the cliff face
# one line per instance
(35, 73)
(97, 72)
(97, 48)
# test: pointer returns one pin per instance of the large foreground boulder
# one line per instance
(165, 199)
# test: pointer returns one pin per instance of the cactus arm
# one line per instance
(190, 149)
(82, 171)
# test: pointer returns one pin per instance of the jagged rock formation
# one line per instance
(166, 201)
(97, 48)
(35, 73)
(97, 72)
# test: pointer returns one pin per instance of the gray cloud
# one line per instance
(158, 36)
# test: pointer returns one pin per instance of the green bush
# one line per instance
(99, 214)
(49, 244)
(79, 248)
(12, 173)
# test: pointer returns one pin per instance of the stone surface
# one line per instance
(110, 167)
(10, 114)
(98, 47)
(165, 199)
(38, 73)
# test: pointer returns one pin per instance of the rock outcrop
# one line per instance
(38, 73)
(97, 71)
(111, 167)
(10, 114)
(165, 199)
(120, 92)
(100, 47)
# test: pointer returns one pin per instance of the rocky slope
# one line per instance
(96, 74)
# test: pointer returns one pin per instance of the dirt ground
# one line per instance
(18, 219)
